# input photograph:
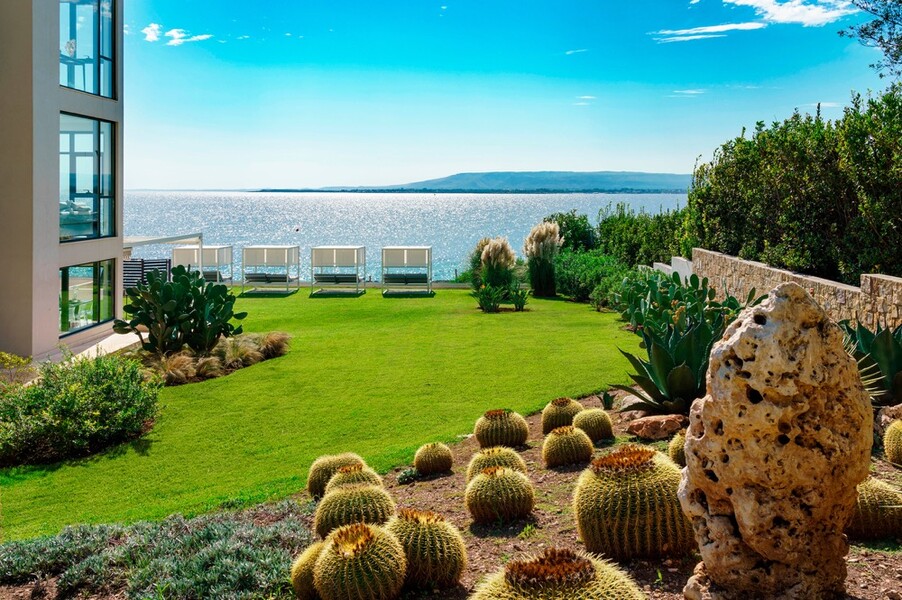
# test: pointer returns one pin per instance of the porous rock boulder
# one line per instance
(657, 427)
(774, 452)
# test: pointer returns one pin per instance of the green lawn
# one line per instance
(371, 375)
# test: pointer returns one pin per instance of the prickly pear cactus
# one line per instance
(360, 562)
(353, 475)
(498, 495)
(559, 575)
(433, 458)
(352, 504)
(676, 448)
(566, 446)
(324, 467)
(302, 572)
(559, 413)
(436, 555)
(596, 423)
(626, 506)
(501, 427)
(496, 456)
(878, 514)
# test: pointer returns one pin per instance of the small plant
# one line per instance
(892, 443)
(324, 467)
(177, 369)
(528, 531)
(237, 353)
(518, 298)
(558, 413)
(878, 512)
(632, 489)
(498, 494)
(559, 574)
(408, 476)
(434, 458)
(302, 572)
(352, 504)
(208, 367)
(360, 562)
(607, 400)
(489, 298)
(596, 423)
(566, 446)
(501, 427)
(879, 356)
(541, 246)
(676, 448)
(353, 475)
(435, 551)
(496, 456)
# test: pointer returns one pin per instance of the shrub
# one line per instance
(639, 238)
(577, 274)
(518, 298)
(434, 458)
(498, 261)
(435, 551)
(498, 494)
(496, 456)
(324, 467)
(501, 427)
(596, 423)
(558, 413)
(360, 562)
(237, 352)
(78, 407)
(489, 298)
(14, 369)
(566, 446)
(473, 273)
(576, 232)
(352, 504)
(541, 246)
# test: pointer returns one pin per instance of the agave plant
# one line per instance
(879, 356)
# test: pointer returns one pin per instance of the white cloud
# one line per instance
(689, 92)
(152, 32)
(714, 28)
(581, 104)
(688, 38)
(569, 52)
(585, 97)
(444, 8)
(810, 13)
(126, 30)
(243, 37)
(691, 2)
(287, 35)
(177, 37)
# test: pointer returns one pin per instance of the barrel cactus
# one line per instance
(436, 555)
(433, 458)
(892, 443)
(496, 456)
(558, 413)
(676, 448)
(353, 475)
(596, 423)
(499, 494)
(501, 427)
(559, 575)
(302, 572)
(878, 513)
(352, 504)
(360, 562)
(324, 467)
(626, 505)
(566, 446)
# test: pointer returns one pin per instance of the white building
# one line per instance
(61, 173)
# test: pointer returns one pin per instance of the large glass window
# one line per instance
(86, 46)
(86, 295)
(87, 184)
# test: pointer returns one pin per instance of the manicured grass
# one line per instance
(371, 375)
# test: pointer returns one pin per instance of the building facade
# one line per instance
(61, 167)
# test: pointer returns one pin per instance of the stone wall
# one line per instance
(878, 300)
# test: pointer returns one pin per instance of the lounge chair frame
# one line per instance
(337, 266)
(270, 266)
(406, 267)
(211, 263)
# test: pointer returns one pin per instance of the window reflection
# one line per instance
(86, 46)
(86, 295)
(86, 200)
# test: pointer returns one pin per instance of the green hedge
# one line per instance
(639, 238)
(578, 274)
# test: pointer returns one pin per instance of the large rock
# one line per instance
(774, 452)
(657, 427)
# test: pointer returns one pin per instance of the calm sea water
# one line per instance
(450, 223)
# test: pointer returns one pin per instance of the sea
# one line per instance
(451, 223)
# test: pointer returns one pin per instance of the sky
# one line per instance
(297, 93)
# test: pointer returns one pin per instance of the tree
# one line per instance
(883, 32)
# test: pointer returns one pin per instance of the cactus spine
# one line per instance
(626, 505)
(360, 562)
(559, 413)
(499, 494)
(566, 446)
(559, 575)
(501, 427)
(302, 572)
(324, 467)
(352, 504)
(596, 423)
(676, 449)
(353, 475)
(878, 514)
(892, 443)
(433, 458)
(496, 456)
(436, 555)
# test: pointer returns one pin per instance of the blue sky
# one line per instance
(296, 93)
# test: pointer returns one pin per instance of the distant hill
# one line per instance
(538, 181)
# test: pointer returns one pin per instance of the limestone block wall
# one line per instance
(878, 300)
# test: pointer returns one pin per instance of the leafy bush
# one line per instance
(579, 273)
(879, 356)
(224, 555)
(184, 311)
(518, 298)
(489, 298)
(78, 407)
(639, 238)
(14, 369)
(576, 231)
(542, 245)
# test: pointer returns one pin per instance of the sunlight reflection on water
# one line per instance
(450, 223)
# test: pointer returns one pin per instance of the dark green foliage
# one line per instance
(639, 238)
(884, 31)
(77, 408)
(578, 274)
(541, 277)
(184, 311)
(223, 555)
(518, 298)
(878, 352)
(807, 194)
(408, 476)
(578, 234)
(489, 298)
